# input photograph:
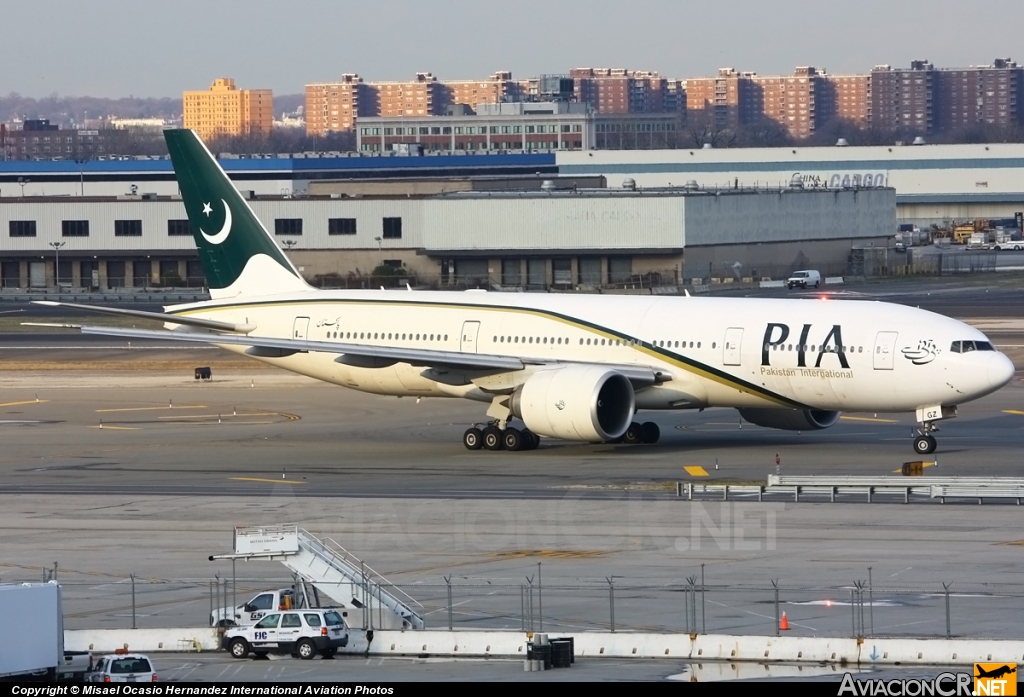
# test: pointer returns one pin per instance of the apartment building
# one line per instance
(619, 91)
(965, 97)
(225, 110)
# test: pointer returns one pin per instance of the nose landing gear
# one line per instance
(924, 444)
(924, 441)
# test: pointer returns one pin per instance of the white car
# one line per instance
(302, 633)
(122, 667)
(804, 279)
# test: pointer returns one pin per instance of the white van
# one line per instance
(804, 279)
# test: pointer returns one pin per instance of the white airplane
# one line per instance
(575, 367)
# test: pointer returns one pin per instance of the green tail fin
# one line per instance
(238, 255)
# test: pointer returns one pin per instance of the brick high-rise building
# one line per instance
(225, 110)
(845, 97)
(619, 91)
(790, 101)
(727, 100)
(499, 87)
(903, 99)
(424, 96)
(980, 94)
(334, 106)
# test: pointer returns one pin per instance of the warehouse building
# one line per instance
(934, 184)
(547, 239)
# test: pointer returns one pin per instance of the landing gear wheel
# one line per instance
(649, 432)
(530, 439)
(239, 648)
(493, 438)
(513, 439)
(924, 445)
(473, 439)
(632, 436)
(305, 650)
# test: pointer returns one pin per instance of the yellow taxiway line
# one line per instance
(868, 418)
(116, 428)
(30, 401)
(1005, 411)
(197, 406)
(269, 481)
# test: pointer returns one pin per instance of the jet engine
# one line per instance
(791, 419)
(576, 402)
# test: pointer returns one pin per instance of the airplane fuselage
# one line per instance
(713, 352)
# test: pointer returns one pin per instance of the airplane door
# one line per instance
(301, 328)
(469, 334)
(885, 349)
(731, 348)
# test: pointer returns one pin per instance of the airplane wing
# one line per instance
(365, 356)
(164, 317)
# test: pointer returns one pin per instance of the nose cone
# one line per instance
(1000, 371)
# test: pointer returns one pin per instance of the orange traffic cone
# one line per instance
(783, 623)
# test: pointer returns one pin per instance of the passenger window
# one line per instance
(313, 620)
(290, 620)
(269, 622)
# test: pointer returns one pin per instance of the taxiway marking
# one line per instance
(196, 406)
(696, 471)
(270, 481)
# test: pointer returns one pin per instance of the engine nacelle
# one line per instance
(791, 419)
(576, 402)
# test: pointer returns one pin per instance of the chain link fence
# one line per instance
(689, 605)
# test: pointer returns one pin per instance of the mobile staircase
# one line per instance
(331, 570)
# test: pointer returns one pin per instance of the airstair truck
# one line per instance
(32, 640)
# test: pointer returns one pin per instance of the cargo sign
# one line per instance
(266, 540)
(843, 180)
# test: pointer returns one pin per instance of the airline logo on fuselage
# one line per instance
(776, 338)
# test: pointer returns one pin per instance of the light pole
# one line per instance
(289, 244)
(380, 250)
(56, 263)
(81, 171)
(23, 182)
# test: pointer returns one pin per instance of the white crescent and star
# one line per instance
(222, 235)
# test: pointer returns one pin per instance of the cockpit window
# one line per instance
(967, 346)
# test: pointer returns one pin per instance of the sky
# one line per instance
(116, 48)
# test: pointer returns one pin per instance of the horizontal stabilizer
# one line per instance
(159, 316)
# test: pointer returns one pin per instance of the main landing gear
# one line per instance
(647, 432)
(493, 437)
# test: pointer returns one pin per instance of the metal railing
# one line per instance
(861, 488)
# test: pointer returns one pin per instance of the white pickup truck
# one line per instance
(255, 608)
